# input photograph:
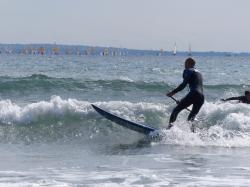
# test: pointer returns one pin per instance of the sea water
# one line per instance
(51, 136)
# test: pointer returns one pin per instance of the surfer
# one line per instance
(195, 97)
(242, 99)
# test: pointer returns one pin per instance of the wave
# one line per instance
(39, 82)
(220, 124)
(59, 119)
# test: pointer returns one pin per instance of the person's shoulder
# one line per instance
(189, 71)
(197, 71)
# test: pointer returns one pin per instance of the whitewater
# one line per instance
(51, 136)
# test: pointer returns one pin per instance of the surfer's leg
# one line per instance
(199, 100)
(184, 103)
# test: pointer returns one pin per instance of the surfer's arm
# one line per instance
(180, 87)
(186, 76)
(233, 98)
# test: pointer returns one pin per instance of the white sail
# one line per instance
(175, 49)
(189, 50)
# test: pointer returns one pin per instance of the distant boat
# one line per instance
(189, 50)
(175, 49)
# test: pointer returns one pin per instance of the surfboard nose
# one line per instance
(144, 129)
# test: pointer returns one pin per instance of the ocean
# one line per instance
(51, 136)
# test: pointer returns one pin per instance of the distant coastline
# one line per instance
(60, 49)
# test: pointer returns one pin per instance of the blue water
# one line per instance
(51, 136)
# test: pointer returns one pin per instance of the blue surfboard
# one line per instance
(144, 129)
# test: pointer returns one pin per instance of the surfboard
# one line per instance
(144, 129)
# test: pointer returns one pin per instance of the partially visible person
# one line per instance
(242, 99)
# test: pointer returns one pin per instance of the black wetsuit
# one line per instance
(195, 97)
(241, 99)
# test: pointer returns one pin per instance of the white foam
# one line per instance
(126, 79)
(11, 113)
(221, 124)
(130, 110)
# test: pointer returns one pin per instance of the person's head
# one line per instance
(247, 94)
(189, 63)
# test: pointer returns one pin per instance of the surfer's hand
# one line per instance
(170, 94)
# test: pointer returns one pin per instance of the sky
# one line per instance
(206, 25)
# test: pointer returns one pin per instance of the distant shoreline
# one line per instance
(61, 49)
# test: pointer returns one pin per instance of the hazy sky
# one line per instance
(208, 25)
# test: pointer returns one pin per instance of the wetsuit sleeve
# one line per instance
(241, 98)
(186, 77)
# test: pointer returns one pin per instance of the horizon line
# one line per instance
(99, 46)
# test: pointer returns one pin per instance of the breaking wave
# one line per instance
(219, 124)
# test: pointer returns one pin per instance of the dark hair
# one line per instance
(190, 61)
(247, 92)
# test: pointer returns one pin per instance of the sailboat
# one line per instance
(175, 49)
(189, 50)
